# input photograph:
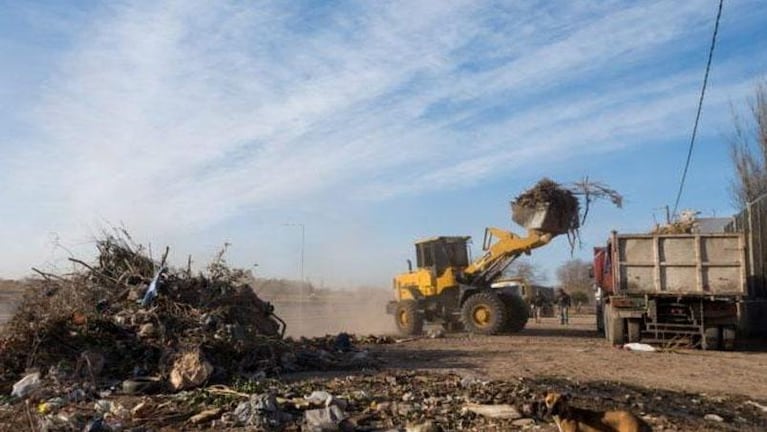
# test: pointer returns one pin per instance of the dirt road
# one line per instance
(576, 352)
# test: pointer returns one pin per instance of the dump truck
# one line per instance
(664, 287)
(446, 287)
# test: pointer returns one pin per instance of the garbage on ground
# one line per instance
(324, 419)
(207, 327)
(635, 346)
(190, 370)
(26, 385)
(502, 411)
(390, 400)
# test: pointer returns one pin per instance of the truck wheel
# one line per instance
(712, 338)
(517, 313)
(614, 327)
(634, 329)
(483, 313)
(600, 320)
(407, 318)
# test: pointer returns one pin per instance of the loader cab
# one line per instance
(441, 253)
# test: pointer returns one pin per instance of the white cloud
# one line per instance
(174, 117)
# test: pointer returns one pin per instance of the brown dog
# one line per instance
(572, 419)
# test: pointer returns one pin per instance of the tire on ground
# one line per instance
(517, 313)
(407, 318)
(484, 313)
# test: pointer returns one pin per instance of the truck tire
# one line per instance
(408, 319)
(517, 313)
(614, 327)
(483, 313)
(634, 329)
(712, 338)
(729, 338)
(600, 319)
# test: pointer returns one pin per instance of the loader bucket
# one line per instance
(543, 217)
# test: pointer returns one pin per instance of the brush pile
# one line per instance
(127, 317)
(547, 207)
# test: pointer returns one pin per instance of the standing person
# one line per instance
(538, 302)
(564, 302)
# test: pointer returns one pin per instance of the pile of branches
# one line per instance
(562, 204)
(565, 213)
(138, 316)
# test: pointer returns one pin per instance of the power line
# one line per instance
(700, 107)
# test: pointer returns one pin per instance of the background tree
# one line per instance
(748, 151)
(573, 276)
(526, 269)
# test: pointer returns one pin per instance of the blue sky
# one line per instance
(372, 123)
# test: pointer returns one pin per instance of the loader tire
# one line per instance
(483, 313)
(408, 319)
(517, 313)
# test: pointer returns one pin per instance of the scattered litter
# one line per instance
(324, 419)
(713, 417)
(26, 385)
(190, 370)
(502, 411)
(260, 411)
(761, 407)
(206, 416)
(427, 426)
(635, 346)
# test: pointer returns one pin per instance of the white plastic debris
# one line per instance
(501, 411)
(151, 292)
(635, 346)
(26, 385)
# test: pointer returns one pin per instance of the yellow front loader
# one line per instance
(445, 287)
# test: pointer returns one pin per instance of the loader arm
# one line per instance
(501, 253)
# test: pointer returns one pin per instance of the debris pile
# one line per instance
(127, 318)
(551, 208)
(395, 401)
(547, 206)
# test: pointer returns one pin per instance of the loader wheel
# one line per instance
(483, 313)
(409, 321)
(517, 313)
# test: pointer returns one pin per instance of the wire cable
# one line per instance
(700, 107)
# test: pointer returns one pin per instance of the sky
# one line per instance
(369, 124)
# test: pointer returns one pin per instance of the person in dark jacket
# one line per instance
(564, 302)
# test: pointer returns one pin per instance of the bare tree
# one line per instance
(531, 272)
(574, 277)
(748, 151)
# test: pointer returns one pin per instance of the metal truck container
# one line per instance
(659, 287)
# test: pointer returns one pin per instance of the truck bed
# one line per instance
(680, 264)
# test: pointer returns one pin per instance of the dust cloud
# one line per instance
(332, 312)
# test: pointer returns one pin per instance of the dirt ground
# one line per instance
(577, 352)
(674, 390)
